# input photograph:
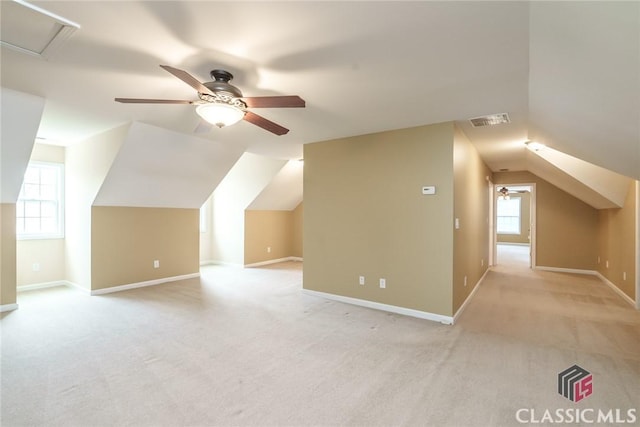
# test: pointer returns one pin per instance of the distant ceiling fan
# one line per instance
(222, 104)
(505, 192)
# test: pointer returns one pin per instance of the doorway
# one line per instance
(514, 229)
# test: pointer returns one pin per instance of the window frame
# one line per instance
(60, 201)
(518, 217)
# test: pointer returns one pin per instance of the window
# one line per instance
(508, 221)
(39, 211)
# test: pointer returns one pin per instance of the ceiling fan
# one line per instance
(505, 192)
(222, 104)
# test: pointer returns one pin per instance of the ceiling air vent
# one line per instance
(32, 30)
(490, 120)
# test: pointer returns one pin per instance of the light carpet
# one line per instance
(241, 347)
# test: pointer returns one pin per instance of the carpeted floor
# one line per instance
(513, 255)
(245, 347)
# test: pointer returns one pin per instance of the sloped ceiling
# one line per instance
(567, 73)
(284, 192)
(610, 186)
(548, 171)
(159, 168)
(20, 115)
(584, 81)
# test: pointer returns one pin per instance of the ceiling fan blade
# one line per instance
(188, 79)
(151, 101)
(264, 123)
(292, 101)
(203, 127)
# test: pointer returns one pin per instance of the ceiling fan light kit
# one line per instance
(222, 104)
(219, 114)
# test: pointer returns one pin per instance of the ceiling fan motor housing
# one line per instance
(221, 83)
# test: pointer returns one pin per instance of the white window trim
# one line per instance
(60, 233)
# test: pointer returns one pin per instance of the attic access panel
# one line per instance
(32, 30)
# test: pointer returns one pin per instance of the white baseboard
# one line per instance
(44, 285)
(143, 284)
(447, 320)
(224, 263)
(609, 283)
(273, 261)
(466, 301)
(8, 307)
(566, 270)
(77, 287)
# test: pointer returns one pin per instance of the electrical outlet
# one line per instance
(598, 260)
(624, 275)
(361, 280)
(465, 280)
(606, 263)
(156, 263)
(268, 249)
(482, 263)
(35, 266)
(383, 283)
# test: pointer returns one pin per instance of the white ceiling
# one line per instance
(284, 192)
(181, 173)
(567, 73)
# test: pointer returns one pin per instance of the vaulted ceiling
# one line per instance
(567, 73)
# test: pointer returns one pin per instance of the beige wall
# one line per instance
(566, 234)
(49, 254)
(471, 207)
(525, 221)
(616, 244)
(276, 229)
(364, 214)
(298, 228)
(266, 230)
(7, 253)
(86, 165)
(126, 241)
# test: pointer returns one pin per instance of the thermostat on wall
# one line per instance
(429, 190)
